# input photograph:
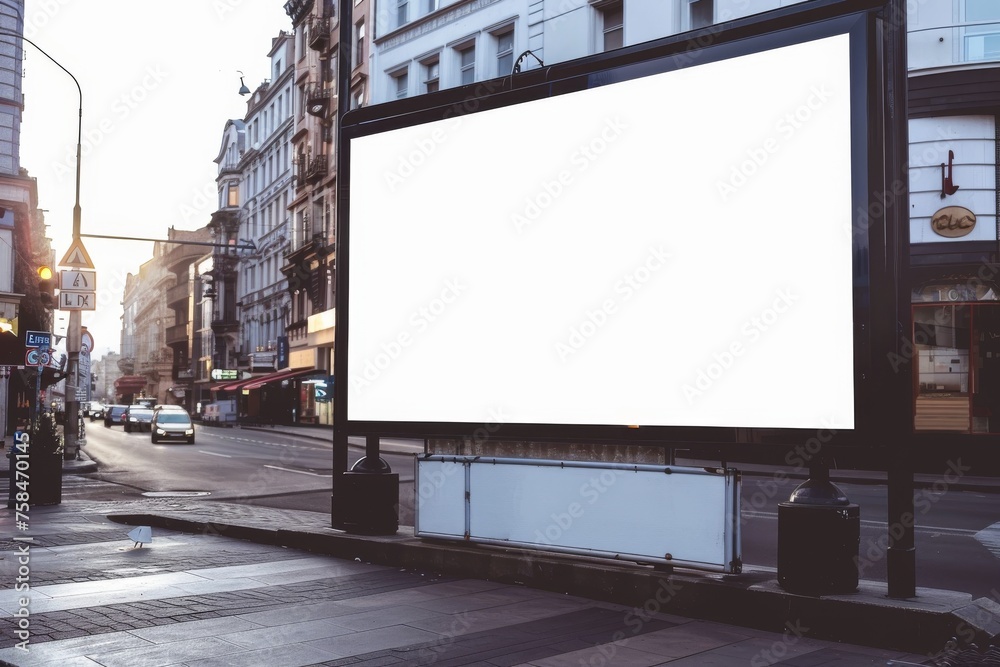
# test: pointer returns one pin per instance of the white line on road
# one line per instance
(961, 532)
(225, 456)
(301, 472)
(989, 537)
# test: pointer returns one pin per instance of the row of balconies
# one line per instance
(178, 293)
(179, 333)
(318, 32)
(310, 169)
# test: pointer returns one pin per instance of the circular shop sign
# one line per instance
(953, 221)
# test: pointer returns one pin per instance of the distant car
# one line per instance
(171, 425)
(168, 406)
(115, 415)
(94, 410)
(138, 418)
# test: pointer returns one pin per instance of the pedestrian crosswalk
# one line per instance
(989, 537)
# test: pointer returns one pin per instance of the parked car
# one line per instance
(114, 415)
(172, 425)
(138, 418)
(168, 406)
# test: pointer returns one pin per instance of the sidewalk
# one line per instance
(223, 583)
(198, 596)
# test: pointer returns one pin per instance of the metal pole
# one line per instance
(344, 62)
(901, 554)
(73, 340)
(4, 392)
(36, 414)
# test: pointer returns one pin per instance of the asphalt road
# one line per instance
(957, 532)
(266, 468)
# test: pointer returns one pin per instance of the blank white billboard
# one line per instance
(672, 250)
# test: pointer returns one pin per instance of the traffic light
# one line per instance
(46, 288)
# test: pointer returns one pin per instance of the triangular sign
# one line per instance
(77, 256)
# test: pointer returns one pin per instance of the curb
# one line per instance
(754, 599)
(79, 466)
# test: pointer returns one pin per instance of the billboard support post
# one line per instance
(901, 553)
(370, 486)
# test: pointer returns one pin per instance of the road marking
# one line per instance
(301, 472)
(274, 444)
(989, 537)
(869, 523)
(225, 456)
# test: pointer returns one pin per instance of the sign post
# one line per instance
(79, 293)
(37, 355)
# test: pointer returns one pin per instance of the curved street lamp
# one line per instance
(73, 331)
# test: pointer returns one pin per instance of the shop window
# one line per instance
(956, 359)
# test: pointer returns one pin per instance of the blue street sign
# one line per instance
(37, 339)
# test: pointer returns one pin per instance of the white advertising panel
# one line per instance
(671, 250)
(668, 515)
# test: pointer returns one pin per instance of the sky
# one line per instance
(159, 81)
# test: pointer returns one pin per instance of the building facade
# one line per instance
(267, 187)
(179, 261)
(311, 258)
(105, 371)
(23, 243)
(954, 72)
(147, 361)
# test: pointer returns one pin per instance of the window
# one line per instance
(233, 196)
(401, 11)
(701, 13)
(467, 64)
(359, 43)
(505, 53)
(612, 19)
(358, 97)
(430, 6)
(432, 76)
(400, 83)
(982, 42)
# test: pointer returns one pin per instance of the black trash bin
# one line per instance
(819, 533)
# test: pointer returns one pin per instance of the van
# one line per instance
(220, 412)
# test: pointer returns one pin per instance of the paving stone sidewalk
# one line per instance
(202, 599)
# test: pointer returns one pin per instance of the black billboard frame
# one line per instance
(875, 268)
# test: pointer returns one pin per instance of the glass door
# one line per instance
(942, 339)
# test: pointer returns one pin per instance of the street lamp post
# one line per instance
(73, 332)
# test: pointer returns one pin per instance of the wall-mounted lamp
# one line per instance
(521, 58)
(243, 87)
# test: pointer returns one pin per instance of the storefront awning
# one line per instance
(130, 383)
(233, 386)
(257, 383)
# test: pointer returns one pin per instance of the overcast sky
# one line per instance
(159, 82)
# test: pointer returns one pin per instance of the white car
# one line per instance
(171, 425)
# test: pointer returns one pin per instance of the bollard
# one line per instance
(819, 532)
